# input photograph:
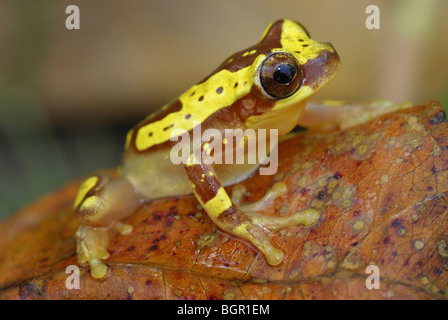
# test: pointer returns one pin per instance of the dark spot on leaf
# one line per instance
(394, 253)
(321, 195)
(152, 248)
(438, 118)
(337, 175)
(148, 282)
(131, 248)
(386, 240)
(437, 271)
(171, 214)
(396, 223)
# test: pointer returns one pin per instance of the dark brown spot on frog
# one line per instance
(201, 98)
(188, 116)
(219, 90)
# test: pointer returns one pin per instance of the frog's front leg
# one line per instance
(250, 225)
(100, 204)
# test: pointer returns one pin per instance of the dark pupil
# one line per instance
(284, 73)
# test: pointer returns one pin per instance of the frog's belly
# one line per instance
(154, 176)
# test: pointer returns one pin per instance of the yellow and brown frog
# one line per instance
(266, 86)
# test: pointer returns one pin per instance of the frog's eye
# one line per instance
(280, 75)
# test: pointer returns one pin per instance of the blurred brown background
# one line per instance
(67, 97)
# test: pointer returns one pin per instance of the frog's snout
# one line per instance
(323, 68)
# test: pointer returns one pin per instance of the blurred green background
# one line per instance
(68, 97)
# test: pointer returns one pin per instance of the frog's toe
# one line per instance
(256, 210)
(277, 190)
(306, 218)
(259, 237)
(123, 228)
(92, 248)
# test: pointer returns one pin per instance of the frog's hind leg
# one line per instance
(329, 115)
(100, 204)
(250, 225)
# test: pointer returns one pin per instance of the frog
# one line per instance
(263, 87)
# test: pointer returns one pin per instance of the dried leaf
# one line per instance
(381, 189)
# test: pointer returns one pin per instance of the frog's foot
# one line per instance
(91, 246)
(255, 210)
(258, 225)
(123, 228)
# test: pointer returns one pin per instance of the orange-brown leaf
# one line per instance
(381, 189)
